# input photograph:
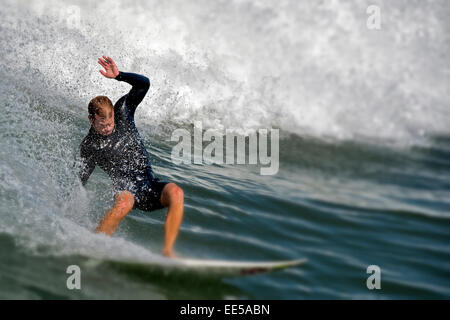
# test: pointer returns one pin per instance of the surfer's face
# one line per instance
(103, 124)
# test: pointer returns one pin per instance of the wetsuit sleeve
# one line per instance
(88, 165)
(140, 85)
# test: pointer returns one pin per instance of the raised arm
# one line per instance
(140, 84)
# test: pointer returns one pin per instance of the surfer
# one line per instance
(113, 143)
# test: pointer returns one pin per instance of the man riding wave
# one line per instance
(113, 143)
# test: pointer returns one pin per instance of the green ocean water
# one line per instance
(343, 206)
(364, 149)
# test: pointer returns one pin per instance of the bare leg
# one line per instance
(123, 204)
(173, 197)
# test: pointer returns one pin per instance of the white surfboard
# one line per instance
(206, 268)
(235, 268)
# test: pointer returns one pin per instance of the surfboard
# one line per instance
(208, 268)
(235, 268)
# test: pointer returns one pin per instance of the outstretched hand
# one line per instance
(108, 63)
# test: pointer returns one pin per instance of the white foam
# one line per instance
(309, 68)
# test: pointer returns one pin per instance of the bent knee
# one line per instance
(177, 193)
(174, 193)
(124, 201)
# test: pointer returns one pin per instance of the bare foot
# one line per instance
(169, 254)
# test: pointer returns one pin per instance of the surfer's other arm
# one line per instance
(140, 84)
(88, 165)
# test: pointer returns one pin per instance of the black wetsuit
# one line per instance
(122, 154)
